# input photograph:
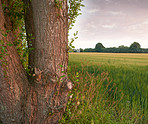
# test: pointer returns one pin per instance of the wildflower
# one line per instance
(78, 103)
(70, 96)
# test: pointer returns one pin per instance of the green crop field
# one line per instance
(124, 83)
(115, 59)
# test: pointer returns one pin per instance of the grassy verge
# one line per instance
(111, 88)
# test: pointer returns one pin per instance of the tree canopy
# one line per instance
(98, 47)
(133, 48)
(135, 45)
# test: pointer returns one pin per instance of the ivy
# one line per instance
(3, 49)
(58, 3)
(15, 10)
(74, 8)
(3, 54)
(70, 43)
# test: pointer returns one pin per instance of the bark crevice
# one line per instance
(40, 98)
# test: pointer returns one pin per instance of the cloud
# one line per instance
(111, 26)
(116, 13)
(91, 11)
(145, 22)
(113, 20)
(141, 27)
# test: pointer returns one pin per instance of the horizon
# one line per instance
(109, 47)
(112, 23)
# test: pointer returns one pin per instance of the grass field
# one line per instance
(116, 59)
(116, 83)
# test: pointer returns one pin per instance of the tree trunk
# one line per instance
(40, 98)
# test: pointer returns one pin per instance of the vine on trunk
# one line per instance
(15, 9)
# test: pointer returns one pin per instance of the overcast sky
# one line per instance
(113, 23)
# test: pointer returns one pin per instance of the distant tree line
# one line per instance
(134, 48)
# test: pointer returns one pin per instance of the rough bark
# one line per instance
(13, 80)
(40, 98)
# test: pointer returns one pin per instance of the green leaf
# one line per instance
(5, 35)
(61, 66)
(10, 44)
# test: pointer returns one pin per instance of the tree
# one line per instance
(123, 49)
(98, 47)
(81, 50)
(135, 47)
(36, 93)
(89, 50)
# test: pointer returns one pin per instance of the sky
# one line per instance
(112, 23)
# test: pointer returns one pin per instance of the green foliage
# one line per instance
(15, 9)
(70, 44)
(74, 8)
(58, 3)
(99, 47)
(3, 52)
(135, 45)
(134, 48)
(89, 50)
(3, 48)
(81, 50)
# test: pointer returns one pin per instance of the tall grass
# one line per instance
(128, 71)
(105, 93)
